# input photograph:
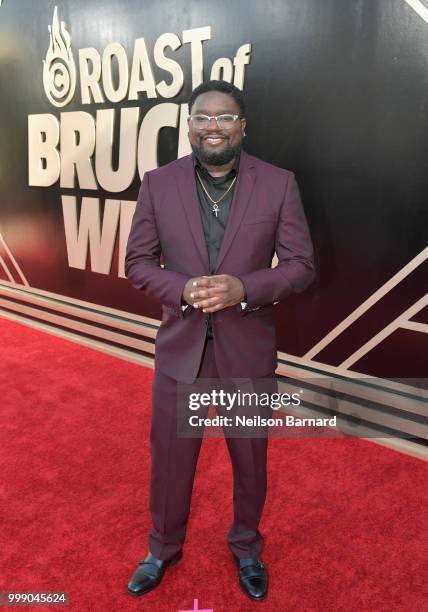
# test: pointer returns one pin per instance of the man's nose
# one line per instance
(213, 124)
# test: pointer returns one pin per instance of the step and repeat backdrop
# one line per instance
(94, 94)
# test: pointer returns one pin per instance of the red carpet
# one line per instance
(345, 520)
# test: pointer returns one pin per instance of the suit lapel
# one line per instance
(240, 201)
(185, 177)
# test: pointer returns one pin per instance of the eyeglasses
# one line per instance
(224, 122)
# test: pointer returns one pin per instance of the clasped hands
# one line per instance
(212, 293)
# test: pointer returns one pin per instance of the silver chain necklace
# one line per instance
(215, 207)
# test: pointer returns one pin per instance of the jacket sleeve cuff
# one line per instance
(265, 287)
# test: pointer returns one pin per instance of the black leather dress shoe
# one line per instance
(149, 573)
(253, 577)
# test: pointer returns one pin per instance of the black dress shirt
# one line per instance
(214, 226)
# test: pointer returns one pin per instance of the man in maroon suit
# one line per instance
(217, 216)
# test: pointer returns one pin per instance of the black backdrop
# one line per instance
(336, 91)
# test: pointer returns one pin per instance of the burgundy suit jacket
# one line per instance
(266, 215)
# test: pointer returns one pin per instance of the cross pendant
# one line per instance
(215, 209)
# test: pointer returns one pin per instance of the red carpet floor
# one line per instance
(345, 520)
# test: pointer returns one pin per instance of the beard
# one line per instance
(217, 158)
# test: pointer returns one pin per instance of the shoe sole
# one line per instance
(172, 562)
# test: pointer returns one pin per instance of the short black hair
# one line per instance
(221, 86)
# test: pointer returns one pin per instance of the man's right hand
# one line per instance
(190, 287)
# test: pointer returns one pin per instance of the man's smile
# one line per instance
(214, 140)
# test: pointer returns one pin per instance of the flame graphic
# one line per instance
(59, 69)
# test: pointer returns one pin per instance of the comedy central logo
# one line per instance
(59, 69)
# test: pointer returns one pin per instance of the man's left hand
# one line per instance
(216, 292)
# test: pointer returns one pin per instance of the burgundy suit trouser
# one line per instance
(173, 467)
